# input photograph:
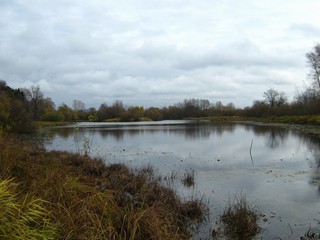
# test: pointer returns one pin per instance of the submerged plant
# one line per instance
(239, 219)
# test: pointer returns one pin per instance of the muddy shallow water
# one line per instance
(281, 176)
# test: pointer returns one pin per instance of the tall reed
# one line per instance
(23, 217)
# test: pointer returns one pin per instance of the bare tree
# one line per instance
(117, 109)
(274, 98)
(35, 97)
(78, 109)
(313, 59)
(78, 105)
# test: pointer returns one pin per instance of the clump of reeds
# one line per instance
(23, 217)
(171, 177)
(194, 209)
(188, 178)
(240, 219)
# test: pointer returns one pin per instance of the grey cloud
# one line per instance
(150, 53)
(306, 29)
(236, 55)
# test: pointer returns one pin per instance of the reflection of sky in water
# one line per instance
(282, 180)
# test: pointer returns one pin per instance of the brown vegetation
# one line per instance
(239, 219)
(188, 178)
(90, 200)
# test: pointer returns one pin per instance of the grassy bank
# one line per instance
(309, 125)
(44, 124)
(82, 198)
(300, 120)
(144, 119)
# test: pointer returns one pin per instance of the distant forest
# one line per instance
(19, 108)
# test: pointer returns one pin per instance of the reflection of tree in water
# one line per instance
(313, 144)
(188, 131)
(315, 178)
(275, 136)
(196, 132)
(114, 133)
(63, 133)
(221, 128)
(205, 130)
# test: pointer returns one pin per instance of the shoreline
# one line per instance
(311, 130)
(82, 197)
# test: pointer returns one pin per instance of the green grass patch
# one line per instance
(23, 217)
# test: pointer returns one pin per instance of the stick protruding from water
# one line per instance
(250, 152)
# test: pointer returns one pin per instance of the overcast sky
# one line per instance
(157, 52)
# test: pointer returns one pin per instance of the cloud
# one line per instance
(306, 29)
(156, 52)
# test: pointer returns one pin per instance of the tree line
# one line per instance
(20, 107)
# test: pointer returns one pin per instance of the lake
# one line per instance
(278, 170)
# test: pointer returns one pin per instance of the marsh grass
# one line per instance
(171, 177)
(188, 178)
(240, 219)
(88, 199)
(23, 217)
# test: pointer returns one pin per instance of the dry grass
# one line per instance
(90, 200)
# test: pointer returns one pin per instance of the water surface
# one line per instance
(280, 176)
